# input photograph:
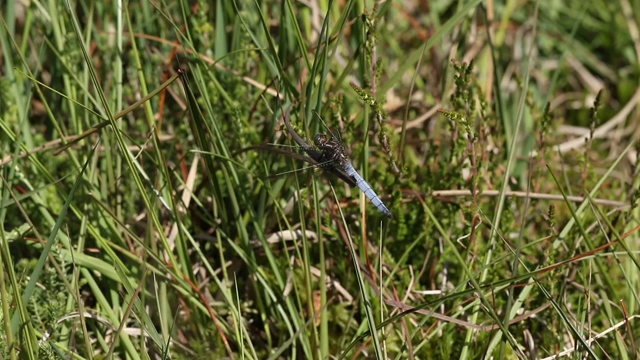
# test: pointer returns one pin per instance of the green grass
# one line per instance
(141, 220)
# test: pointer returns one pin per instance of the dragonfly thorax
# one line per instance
(332, 149)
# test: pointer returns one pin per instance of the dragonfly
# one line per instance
(315, 157)
(333, 156)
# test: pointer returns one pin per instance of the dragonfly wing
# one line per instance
(366, 189)
(276, 150)
(315, 160)
(343, 175)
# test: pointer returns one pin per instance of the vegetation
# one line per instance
(151, 206)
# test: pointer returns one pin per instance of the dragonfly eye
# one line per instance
(320, 139)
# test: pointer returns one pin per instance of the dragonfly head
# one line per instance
(320, 139)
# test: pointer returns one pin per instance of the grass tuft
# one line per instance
(155, 205)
